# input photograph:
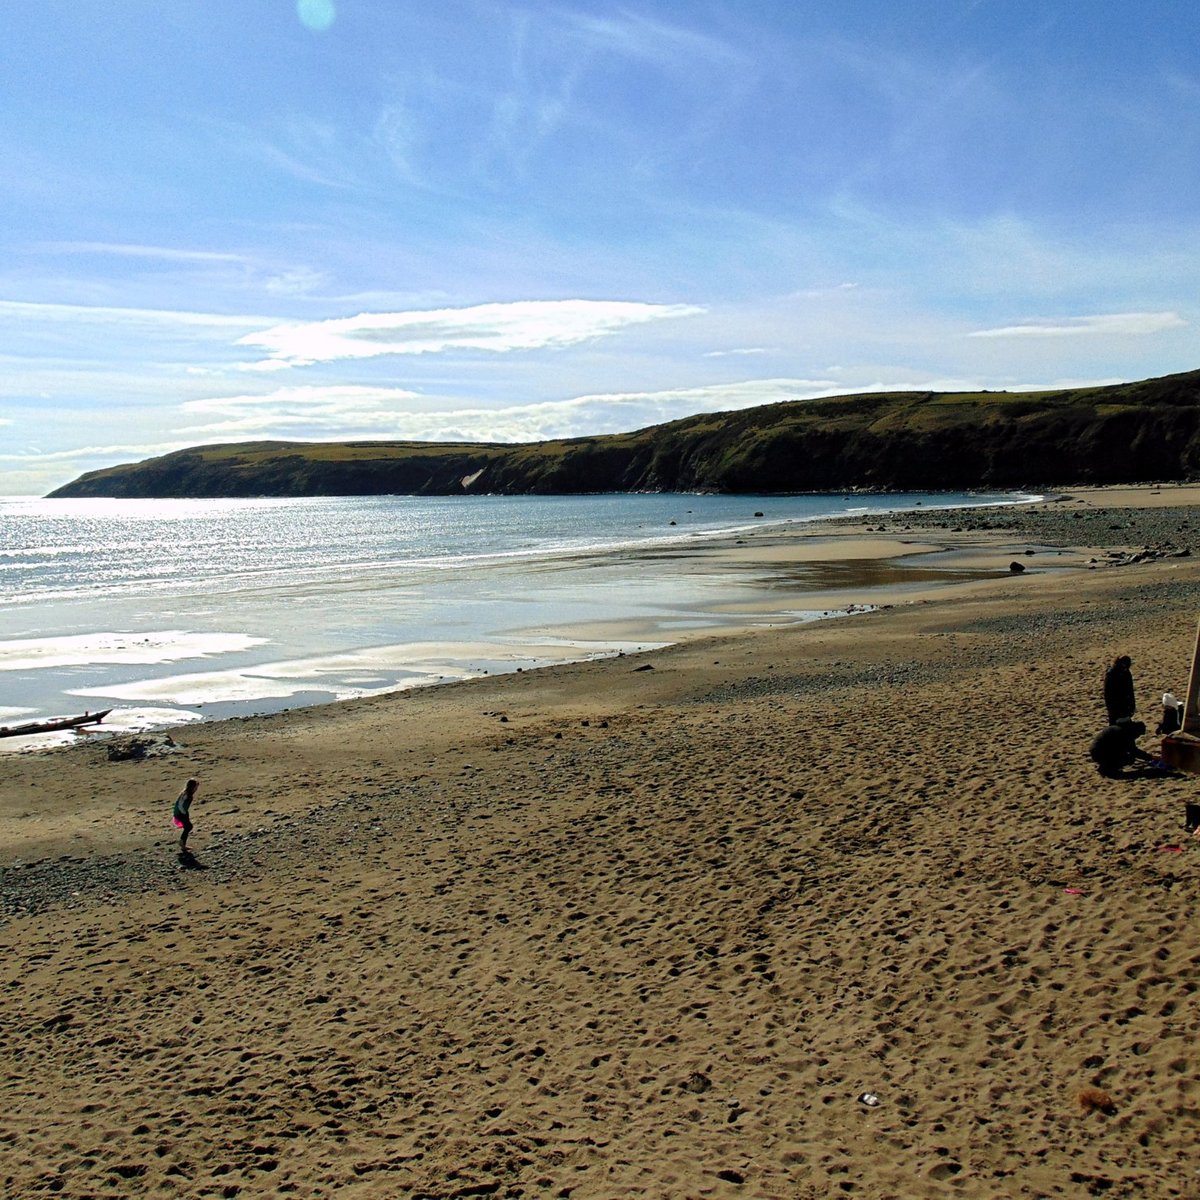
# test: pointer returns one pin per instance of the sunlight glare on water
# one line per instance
(170, 605)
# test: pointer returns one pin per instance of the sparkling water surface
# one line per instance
(168, 610)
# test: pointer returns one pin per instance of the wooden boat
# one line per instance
(54, 724)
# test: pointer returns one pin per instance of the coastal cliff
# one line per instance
(1125, 433)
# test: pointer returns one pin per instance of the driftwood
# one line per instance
(53, 724)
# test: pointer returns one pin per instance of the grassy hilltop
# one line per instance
(1148, 430)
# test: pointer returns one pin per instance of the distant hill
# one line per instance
(893, 441)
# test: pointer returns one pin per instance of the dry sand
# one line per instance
(609, 931)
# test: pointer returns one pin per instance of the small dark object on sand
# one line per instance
(1095, 1100)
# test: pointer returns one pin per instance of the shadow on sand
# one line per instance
(189, 862)
(1143, 772)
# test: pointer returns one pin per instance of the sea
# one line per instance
(170, 611)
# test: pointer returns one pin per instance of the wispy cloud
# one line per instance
(311, 409)
(740, 352)
(498, 328)
(1108, 325)
(125, 250)
(298, 412)
(116, 452)
(113, 315)
(252, 271)
(308, 150)
(616, 411)
(657, 42)
(397, 134)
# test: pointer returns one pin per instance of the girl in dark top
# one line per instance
(183, 810)
(1118, 689)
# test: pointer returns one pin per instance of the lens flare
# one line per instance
(316, 15)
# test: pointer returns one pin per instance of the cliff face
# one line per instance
(895, 441)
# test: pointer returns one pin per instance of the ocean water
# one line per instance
(176, 610)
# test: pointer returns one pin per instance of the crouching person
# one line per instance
(1116, 747)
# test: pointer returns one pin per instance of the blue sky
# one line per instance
(230, 220)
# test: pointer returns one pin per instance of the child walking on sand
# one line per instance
(182, 817)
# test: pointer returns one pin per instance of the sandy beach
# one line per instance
(652, 925)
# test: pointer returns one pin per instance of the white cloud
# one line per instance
(295, 281)
(741, 352)
(327, 410)
(128, 250)
(1112, 324)
(353, 412)
(265, 365)
(498, 328)
(108, 315)
(619, 411)
(102, 454)
(275, 279)
(821, 293)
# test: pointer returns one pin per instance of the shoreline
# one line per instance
(200, 662)
(832, 567)
(642, 927)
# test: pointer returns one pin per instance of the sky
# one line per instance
(240, 220)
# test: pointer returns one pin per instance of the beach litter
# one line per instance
(869, 1099)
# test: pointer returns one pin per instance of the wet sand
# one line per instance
(645, 926)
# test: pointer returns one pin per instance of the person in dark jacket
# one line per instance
(1118, 689)
(1116, 747)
